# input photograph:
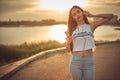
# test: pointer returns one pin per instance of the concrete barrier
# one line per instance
(12, 69)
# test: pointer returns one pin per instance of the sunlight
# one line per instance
(57, 33)
(82, 2)
(61, 5)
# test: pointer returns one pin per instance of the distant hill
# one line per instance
(10, 23)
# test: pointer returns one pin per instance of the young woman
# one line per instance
(80, 41)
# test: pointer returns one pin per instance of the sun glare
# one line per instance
(58, 33)
(82, 2)
(61, 5)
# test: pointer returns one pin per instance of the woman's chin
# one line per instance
(79, 20)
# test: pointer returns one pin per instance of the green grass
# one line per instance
(11, 53)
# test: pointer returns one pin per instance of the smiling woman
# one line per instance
(61, 5)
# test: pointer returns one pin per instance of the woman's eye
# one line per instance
(78, 11)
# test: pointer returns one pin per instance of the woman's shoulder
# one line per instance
(87, 24)
(89, 27)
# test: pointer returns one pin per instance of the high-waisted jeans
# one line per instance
(82, 67)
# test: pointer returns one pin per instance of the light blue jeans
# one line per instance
(82, 67)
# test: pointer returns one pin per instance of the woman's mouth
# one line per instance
(78, 17)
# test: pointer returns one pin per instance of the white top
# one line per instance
(83, 38)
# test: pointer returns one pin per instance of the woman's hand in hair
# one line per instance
(87, 13)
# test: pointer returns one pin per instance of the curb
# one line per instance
(20, 65)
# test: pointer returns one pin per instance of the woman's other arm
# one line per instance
(103, 18)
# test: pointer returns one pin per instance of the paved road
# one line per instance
(56, 66)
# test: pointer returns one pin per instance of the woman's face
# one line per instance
(77, 14)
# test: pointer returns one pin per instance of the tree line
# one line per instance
(31, 23)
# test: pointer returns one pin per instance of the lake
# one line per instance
(18, 35)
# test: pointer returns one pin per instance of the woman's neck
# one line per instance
(80, 22)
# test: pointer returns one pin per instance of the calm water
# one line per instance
(18, 35)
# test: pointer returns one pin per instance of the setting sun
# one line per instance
(61, 5)
(82, 2)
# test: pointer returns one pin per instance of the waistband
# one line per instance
(82, 53)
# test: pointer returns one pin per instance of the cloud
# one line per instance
(32, 9)
(14, 5)
(104, 2)
(42, 14)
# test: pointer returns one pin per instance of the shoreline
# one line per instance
(42, 25)
(99, 44)
(35, 52)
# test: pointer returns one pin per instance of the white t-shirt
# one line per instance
(83, 38)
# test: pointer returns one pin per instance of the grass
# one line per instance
(11, 53)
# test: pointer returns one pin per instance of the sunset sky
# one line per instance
(53, 9)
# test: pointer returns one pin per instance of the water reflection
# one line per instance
(57, 33)
(18, 35)
(107, 33)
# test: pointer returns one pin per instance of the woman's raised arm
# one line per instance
(103, 18)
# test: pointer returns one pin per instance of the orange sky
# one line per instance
(54, 9)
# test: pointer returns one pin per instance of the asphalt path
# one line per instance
(56, 66)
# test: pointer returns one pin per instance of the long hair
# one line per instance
(72, 24)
